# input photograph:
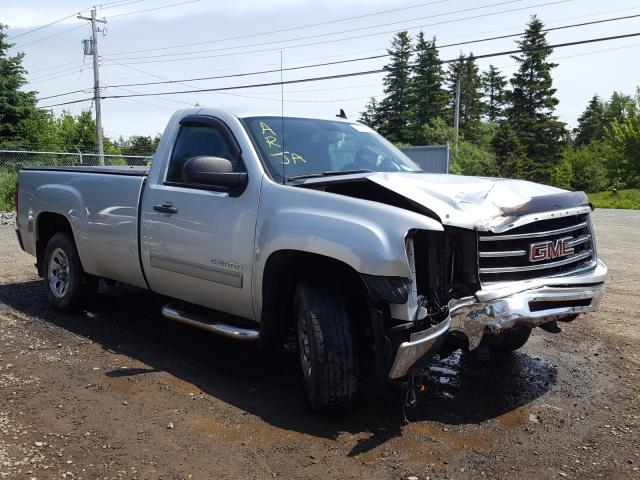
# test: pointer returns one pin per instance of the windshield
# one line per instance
(312, 147)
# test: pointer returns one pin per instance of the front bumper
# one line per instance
(529, 303)
(421, 346)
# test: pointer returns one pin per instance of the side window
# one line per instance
(195, 140)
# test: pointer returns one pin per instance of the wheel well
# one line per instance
(285, 270)
(47, 226)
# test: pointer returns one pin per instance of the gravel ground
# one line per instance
(7, 218)
(119, 392)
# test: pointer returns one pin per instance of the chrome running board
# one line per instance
(173, 312)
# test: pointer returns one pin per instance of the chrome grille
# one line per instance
(505, 256)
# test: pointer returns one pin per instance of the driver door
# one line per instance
(198, 241)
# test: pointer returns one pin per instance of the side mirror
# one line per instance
(214, 172)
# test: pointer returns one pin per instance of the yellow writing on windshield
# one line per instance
(271, 139)
(266, 128)
(289, 157)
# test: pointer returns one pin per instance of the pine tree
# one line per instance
(509, 152)
(472, 106)
(533, 103)
(429, 98)
(494, 84)
(620, 107)
(371, 114)
(395, 107)
(592, 122)
(16, 106)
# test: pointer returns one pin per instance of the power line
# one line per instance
(53, 67)
(282, 30)
(139, 60)
(103, 6)
(54, 74)
(373, 57)
(43, 26)
(121, 3)
(165, 79)
(337, 62)
(33, 72)
(76, 70)
(48, 37)
(306, 37)
(354, 74)
(151, 9)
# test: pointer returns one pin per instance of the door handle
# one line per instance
(165, 208)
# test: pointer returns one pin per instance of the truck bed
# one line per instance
(101, 205)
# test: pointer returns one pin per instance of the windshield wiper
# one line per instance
(327, 173)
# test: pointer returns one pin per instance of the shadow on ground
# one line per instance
(127, 321)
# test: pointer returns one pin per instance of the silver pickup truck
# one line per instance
(260, 227)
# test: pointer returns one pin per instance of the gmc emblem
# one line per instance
(550, 249)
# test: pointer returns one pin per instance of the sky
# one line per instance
(158, 40)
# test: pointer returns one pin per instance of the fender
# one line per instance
(367, 236)
(66, 201)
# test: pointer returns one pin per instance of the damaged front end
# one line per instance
(511, 254)
(484, 283)
(412, 317)
(533, 271)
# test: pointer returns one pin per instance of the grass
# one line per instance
(627, 199)
(7, 189)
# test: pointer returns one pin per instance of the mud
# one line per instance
(119, 392)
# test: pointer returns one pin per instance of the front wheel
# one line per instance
(327, 350)
(66, 284)
(511, 339)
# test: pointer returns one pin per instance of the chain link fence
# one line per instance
(14, 160)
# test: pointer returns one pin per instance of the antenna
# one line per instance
(284, 151)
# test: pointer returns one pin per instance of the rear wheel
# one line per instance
(68, 287)
(327, 351)
(511, 339)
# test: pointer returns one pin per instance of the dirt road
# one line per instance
(119, 392)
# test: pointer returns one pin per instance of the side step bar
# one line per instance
(174, 312)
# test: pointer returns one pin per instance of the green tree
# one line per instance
(395, 107)
(509, 151)
(532, 104)
(592, 122)
(429, 98)
(472, 105)
(624, 137)
(589, 166)
(620, 107)
(494, 85)
(85, 132)
(474, 159)
(562, 175)
(139, 145)
(371, 114)
(437, 132)
(39, 132)
(16, 106)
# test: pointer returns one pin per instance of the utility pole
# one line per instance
(96, 78)
(456, 115)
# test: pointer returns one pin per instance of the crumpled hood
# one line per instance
(481, 203)
(467, 202)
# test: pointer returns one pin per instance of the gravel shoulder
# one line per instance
(119, 392)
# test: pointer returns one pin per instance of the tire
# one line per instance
(68, 287)
(327, 350)
(511, 339)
